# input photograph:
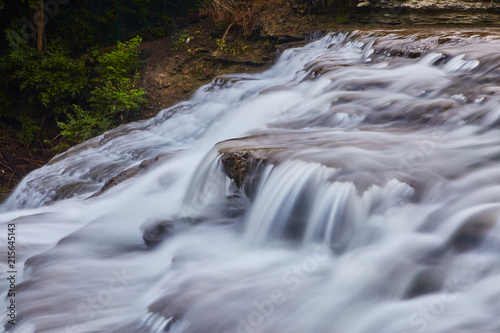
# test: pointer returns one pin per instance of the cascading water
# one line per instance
(351, 188)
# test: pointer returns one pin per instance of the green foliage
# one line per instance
(19, 50)
(122, 61)
(268, 45)
(53, 78)
(116, 94)
(50, 79)
(231, 48)
(7, 96)
(123, 19)
(67, 86)
(7, 109)
(222, 45)
(117, 101)
(114, 98)
(82, 125)
(35, 85)
(74, 30)
(341, 18)
(30, 129)
(33, 3)
(56, 86)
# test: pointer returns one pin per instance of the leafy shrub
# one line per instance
(43, 85)
(30, 129)
(114, 98)
(116, 94)
(53, 78)
(82, 125)
(120, 62)
(74, 30)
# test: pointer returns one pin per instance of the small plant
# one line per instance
(341, 18)
(230, 48)
(192, 52)
(221, 45)
(268, 45)
(82, 125)
(183, 39)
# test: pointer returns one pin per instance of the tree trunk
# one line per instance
(40, 27)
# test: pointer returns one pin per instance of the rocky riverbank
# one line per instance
(176, 65)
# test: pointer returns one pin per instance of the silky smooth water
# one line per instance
(375, 205)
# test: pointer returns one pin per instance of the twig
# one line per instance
(12, 175)
(58, 135)
(225, 34)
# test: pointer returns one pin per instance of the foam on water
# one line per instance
(376, 207)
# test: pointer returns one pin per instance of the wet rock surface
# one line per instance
(244, 168)
(427, 12)
(333, 177)
(130, 173)
(155, 234)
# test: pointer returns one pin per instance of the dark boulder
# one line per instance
(472, 232)
(156, 233)
(244, 167)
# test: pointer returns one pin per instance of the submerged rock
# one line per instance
(155, 234)
(424, 282)
(472, 232)
(129, 173)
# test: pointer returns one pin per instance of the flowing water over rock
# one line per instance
(353, 187)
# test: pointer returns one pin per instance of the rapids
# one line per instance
(374, 205)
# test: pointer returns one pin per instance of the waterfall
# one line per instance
(352, 187)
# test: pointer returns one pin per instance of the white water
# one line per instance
(377, 209)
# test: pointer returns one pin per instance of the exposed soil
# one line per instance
(175, 66)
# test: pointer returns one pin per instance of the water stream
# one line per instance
(373, 205)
